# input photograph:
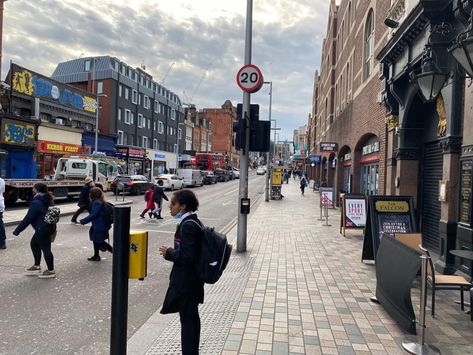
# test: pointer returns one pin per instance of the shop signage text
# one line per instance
(328, 147)
(130, 152)
(56, 147)
(16, 132)
(370, 148)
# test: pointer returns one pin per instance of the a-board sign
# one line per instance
(326, 197)
(387, 215)
(353, 213)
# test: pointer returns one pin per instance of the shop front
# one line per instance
(329, 163)
(159, 162)
(369, 167)
(134, 158)
(18, 140)
(54, 143)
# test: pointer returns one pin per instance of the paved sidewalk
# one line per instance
(301, 288)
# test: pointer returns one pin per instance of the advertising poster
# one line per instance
(326, 197)
(355, 212)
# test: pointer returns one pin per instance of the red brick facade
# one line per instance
(346, 105)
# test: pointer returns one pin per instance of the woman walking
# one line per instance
(41, 240)
(98, 232)
(303, 184)
(185, 290)
(150, 206)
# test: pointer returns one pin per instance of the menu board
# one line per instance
(465, 195)
(387, 215)
(353, 212)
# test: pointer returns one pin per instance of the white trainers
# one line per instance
(33, 270)
(47, 274)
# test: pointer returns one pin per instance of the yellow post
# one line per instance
(277, 177)
(138, 255)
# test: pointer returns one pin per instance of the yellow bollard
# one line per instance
(138, 263)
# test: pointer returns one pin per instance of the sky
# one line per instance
(193, 47)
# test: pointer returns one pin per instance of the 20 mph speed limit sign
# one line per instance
(250, 78)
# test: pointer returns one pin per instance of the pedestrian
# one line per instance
(41, 240)
(150, 206)
(186, 289)
(84, 200)
(158, 196)
(3, 237)
(303, 184)
(98, 232)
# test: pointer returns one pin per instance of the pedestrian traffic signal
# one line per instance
(259, 130)
(239, 131)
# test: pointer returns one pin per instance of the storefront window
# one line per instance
(369, 179)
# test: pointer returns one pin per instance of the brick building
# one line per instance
(347, 124)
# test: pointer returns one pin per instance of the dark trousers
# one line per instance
(81, 209)
(190, 331)
(41, 242)
(102, 246)
(146, 210)
(3, 236)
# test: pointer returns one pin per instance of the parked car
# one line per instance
(170, 181)
(260, 170)
(236, 173)
(133, 184)
(222, 175)
(209, 178)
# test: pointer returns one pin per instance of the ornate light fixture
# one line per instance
(431, 80)
(462, 49)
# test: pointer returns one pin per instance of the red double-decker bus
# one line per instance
(210, 161)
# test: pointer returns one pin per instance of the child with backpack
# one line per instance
(101, 223)
(150, 205)
(186, 288)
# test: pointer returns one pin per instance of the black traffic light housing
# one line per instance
(259, 130)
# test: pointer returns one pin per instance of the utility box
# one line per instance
(138, 263)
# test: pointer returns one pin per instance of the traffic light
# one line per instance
(259, 130)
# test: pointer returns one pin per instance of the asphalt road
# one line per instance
(71, 314)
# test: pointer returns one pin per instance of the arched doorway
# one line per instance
(366, 170)
(345, 170)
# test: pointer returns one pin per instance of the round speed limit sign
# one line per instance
(250, 78)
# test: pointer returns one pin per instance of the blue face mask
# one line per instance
(178, 215)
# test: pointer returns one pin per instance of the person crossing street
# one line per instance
(158, 196)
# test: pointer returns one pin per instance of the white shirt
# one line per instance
(2, 191)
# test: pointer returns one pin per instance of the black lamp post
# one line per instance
(462, 49)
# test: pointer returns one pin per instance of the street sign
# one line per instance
(249, 78)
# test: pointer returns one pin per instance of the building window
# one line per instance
(145, 142)
(173, 114)
(179, 133)
(132, 117)
(134, 96)
(87, 65)
(139, 99)
(160, 127)
(127, 93)
(120, 89)
(120, 137)
(119, 114)
(100, 87)
(146, 101)
(369, 44)
(140, 120)
(149, 123)
(154, 125)
(156, 106)
(155, 144)
(127, 116)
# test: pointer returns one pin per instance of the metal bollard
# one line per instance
(421, 348)
(326, 214)
(121, 256)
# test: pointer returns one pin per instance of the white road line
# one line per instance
(230, 192)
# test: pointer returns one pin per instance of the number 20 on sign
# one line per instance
(250, 78)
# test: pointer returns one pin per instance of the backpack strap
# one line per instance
(191, 220)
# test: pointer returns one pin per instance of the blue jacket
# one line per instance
(99, 230)
(35, 215)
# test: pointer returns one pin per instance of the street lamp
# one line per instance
(96, 147)
(266, 198)
(462, 50)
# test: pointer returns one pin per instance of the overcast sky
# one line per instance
(193, 47)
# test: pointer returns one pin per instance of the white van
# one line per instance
(191, 177)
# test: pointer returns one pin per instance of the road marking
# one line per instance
(230, 192)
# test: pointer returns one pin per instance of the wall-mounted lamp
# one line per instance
(391, 23)
(462, 49)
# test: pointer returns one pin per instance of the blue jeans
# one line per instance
(3, 237)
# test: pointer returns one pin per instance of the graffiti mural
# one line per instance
(16, 132)
(32, 84)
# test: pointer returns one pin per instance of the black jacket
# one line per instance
(35, 215)
(185, 287)
(159, 194)
(84, 199)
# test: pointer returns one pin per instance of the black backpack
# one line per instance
(214, 255)
(108, 214)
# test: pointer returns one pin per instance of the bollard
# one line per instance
(326, 214)
(421, 348)
(121, 244)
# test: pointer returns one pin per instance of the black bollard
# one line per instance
(121, 245)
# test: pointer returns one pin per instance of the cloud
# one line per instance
(204, 40)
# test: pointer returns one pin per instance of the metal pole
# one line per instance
(121, 245)
(421, 348)
(244, 153)
(96, 112)
(268, 166)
